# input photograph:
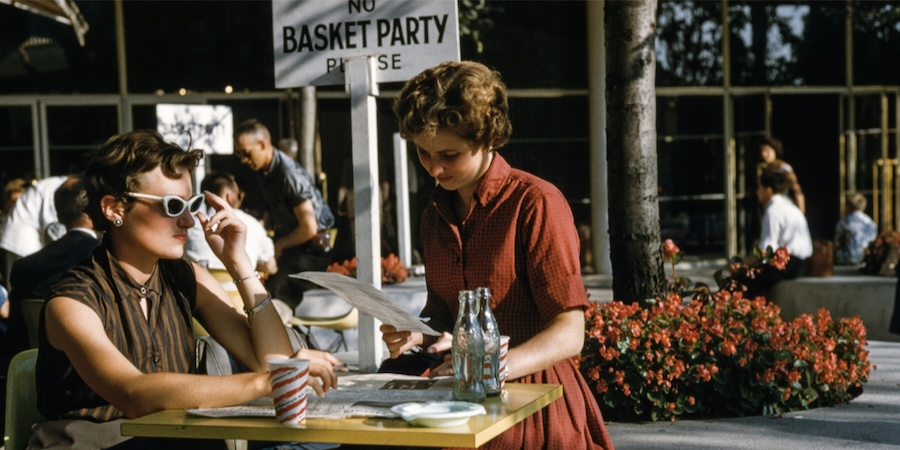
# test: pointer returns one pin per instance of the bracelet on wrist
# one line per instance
(248, 277)
(259, 307)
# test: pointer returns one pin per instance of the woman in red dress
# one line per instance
(488, 224)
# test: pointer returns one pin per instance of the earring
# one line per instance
(117, 222)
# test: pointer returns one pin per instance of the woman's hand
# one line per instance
(445, 368)
(399, 342)
(225, 233)
(323, 377)
(443, 344)
(562, 338)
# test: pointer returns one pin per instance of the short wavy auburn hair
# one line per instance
(464, 97)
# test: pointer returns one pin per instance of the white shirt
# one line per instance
(260, 247)
(783, 225)
(32, 223)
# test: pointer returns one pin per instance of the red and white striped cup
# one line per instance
(503, 372)
(289, 379)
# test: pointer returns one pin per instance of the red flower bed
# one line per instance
(392, 269)
(718, 355)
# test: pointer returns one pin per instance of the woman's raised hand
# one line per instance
(224, 232)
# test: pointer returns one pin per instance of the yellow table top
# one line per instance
(522, 401)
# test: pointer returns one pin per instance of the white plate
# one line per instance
(438, 414)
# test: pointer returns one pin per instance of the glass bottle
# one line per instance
(491, 342)
(468, 351)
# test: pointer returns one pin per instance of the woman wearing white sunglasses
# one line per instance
(116, 340)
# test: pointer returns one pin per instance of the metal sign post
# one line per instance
(401, 187)
(363, 90)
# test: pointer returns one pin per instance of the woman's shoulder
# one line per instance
(533, 188)
(84, 282)
(531, 182)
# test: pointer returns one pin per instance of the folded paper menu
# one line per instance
(369, 300)
(367, 395)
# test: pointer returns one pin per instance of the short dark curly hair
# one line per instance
(773, 142)
(113, 170)
(465, 97)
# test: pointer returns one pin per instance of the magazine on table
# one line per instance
(366, 395)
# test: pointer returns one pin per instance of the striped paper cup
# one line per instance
(289, 379)
(503, 372)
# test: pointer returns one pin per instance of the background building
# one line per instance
(822, 76)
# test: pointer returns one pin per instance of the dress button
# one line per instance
(156, 360)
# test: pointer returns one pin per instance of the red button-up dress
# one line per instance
(519, 239)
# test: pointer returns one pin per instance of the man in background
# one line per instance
(299, 215)
(32, 223)
(33, 275)
(783, 225)
(260, 248)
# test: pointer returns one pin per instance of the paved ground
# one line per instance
(871, 421)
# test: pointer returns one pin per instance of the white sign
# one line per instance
(205, 127)
(313, 37)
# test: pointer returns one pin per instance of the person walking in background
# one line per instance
(488, 224)
(771, 151)
(300, 217)
(854, 231)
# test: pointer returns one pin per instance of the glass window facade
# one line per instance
(17, 151)
(876, 43)
(787, 43)
(820, 75)
(76, 131)
(688, 43)
(534, 44)
(691, 171)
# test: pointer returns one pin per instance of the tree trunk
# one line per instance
(631, 141)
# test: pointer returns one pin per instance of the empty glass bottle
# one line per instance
(468, 351)
(491, 342)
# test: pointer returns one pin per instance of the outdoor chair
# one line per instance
(340, 323)
(21, 400)
(31, 311)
